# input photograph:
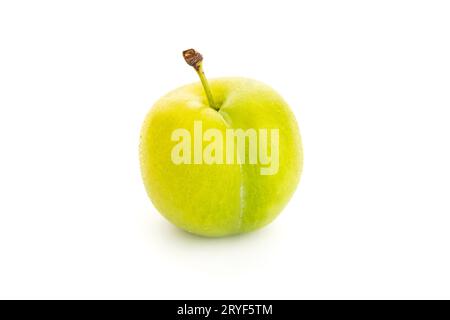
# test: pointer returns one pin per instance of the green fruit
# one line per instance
(220, 198)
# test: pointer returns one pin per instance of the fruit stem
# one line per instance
(195, 60)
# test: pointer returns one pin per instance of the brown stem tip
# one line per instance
(193, 58)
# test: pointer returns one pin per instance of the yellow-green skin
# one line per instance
(219, 199)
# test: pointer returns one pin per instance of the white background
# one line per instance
(368, 81)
